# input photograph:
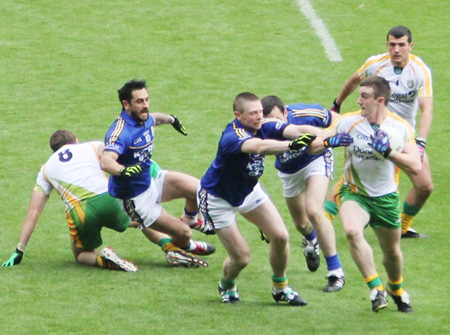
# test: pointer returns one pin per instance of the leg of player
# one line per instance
(174, 255)
(331, 203)
(267, 218)
(237, 259)
(296, 206)
(107, 259)
(389, 241)
(179, 185)
(416, 198)
(354, 219)
(316, 188)
(181, 234)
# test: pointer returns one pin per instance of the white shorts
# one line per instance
(295, 183)
(220, 214)
(145, 208)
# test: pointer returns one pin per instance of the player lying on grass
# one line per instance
(74, 172)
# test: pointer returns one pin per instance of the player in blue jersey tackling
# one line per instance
(305, 179)
(127, 158)
(230, 185)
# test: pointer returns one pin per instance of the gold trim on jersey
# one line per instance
(117, 130)
(240, 132)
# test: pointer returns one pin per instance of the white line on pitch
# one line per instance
(327, 41)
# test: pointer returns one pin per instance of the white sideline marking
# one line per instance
(327, 41)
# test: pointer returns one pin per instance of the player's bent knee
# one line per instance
(352, 233)
(280, 237)
(241, 261)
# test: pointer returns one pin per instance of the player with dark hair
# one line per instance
(411, 89)
(305, 181)
(127, 158)
(369, 194)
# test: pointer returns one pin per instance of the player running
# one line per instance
(305, 179)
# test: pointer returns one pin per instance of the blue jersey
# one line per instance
(302, 114)
(133, 142)
(233, 174)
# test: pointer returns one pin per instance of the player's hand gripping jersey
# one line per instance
(303, 114)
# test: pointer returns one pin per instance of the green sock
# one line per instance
(226, 284)
(410, 210)
(162, 242)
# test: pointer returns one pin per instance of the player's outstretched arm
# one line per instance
(292, 131)
(348, 88)
(37, 205)
(161, 118)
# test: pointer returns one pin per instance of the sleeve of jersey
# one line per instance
(409, 134)
(313, 117)
(114, 137)
(42, 182)
(233, 139)
(426, 88)
(274, 129)
(366, 70)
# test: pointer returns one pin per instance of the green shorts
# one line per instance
(87, 219)
(154, 169)
(383, 211)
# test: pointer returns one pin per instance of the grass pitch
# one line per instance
(62, 63)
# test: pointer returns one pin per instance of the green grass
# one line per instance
(62, 63)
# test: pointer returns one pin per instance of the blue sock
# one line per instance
(333, 262)
(311, 236)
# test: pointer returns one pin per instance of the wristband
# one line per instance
(336, 107)
(388, 153)
(421, 142)
(21, 247)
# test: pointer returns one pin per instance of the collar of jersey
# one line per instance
(128, 119)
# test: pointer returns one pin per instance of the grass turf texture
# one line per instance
(62, 63)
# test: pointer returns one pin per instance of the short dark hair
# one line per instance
(398, 32)
(238, 103)
(126, 92)
(380, 87)
(60, 138)
(270, 102)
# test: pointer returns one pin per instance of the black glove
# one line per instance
(130, 171)
(178, 126)
(15, 259)
(336, 107)
(302, 141)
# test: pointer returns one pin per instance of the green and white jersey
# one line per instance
(364, 172)
(407, 84)
(74, 172)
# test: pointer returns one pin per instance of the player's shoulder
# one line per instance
(347, 119)
(235, 129)
(377, 59)
(419, 63)
(398, 122)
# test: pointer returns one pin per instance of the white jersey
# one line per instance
(407, 85)
(364, 172)
(74, 172)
